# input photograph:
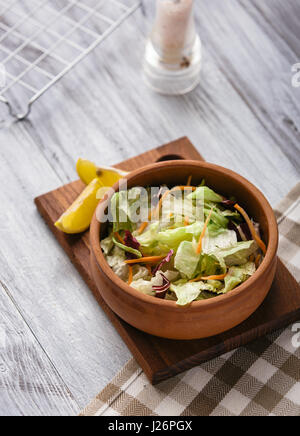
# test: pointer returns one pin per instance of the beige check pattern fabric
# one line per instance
(260, 379)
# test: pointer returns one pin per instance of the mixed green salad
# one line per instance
(184, 244)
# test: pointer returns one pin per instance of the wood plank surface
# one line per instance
(244, 115)
(162, 358)
(27, 375)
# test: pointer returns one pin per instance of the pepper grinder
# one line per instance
(173, 55)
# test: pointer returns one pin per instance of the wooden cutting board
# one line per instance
(163, 358)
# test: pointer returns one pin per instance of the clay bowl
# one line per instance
(201, 319)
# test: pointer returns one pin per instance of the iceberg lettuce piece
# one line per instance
(173, 237)
(179, 207)
(237, 275)
(143, 286)
(214, 286)
(124, 208)
(235, 215)
(194, 229)
(149, 237)
(172, 276)
(206, 194)
(225, 239)
(186, 292)
(217, 217)
(116, 262)
(210, 265)
(107, 244)
(211, 289)
(215, 229)
(140, 272)
(120, 212)
(190, 264)
(206, 295)
(146, 286)
(186, 259)
(238, 254)
(149, 241)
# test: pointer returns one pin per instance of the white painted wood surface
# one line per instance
(57, 347)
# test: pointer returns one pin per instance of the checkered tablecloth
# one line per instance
(261, 378)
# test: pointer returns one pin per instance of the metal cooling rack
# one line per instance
(42, 40)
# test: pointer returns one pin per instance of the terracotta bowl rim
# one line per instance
(196, 305)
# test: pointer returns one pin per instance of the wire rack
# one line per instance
(42, 40)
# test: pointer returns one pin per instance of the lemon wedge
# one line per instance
(87, 172)
(78, 217)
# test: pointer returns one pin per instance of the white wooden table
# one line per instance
(57, 348)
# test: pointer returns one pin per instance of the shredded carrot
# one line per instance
(130, 278)
(152, 259)
(257, 260)
(189, 180)
(199, 248)
(145, 224)
(119, 237)
(182, 188)
(142, 228)
(220, 277)
(255, 236)
(186, 221)
(149, 269)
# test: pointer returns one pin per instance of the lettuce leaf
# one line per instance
(124, 209)
(186, 292)
(214, 286)
(171, 275)
(149, 237)
(190, 264)
(215, 229)
(173, 237)
(186, 259)
(210, 265)
(206, 295)
(107, 244)
(225, 239)
(235, 215)
(149, 241)
(116, 262)
(194, 229)
(140, 272)
(120, 212)
(237, 275)
(211, 289)
(238, 254)
(130, 250)
(216, 216)
(146, 286)
(206, 194)
(143, 286)
(180, 208)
